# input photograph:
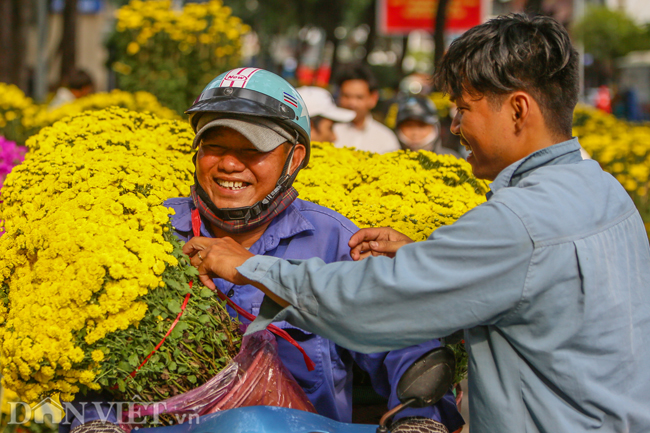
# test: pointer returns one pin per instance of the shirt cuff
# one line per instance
(270, 272)
(270, 311)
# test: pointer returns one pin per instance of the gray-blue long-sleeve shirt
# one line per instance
(550, 278)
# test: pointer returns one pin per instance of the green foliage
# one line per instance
(173, 54)
(201, 344)
(608, 34)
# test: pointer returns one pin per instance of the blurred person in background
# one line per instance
(418, 127)
(358, 91)
(323, 113)
(77, 85)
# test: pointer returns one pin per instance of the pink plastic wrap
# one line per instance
(256, 376)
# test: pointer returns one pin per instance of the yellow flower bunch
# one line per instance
(84, 242)
(171, 53)
(442, 103)
(21, 117)
(17, 113)
(139, 101)
(413, 192)
(621, 148)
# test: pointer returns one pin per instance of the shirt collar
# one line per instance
(288, 224)
(561, 153)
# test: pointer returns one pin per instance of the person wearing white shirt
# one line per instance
(323, 113)
(358, 91)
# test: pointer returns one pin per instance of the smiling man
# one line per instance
(252, 139)
(550, 278)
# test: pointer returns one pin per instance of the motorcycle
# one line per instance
(424, 383)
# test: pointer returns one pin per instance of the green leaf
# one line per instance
(207, 348)
(191, 379)
(174, 306)
(191, 271)
(133, 360)
(176, 333)
(174, 284)
(121, 385)
(124, 366)
(205, 318)
(172, 366)
(206, 293)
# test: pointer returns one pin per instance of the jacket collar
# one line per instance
(561, 153)
(286, 225)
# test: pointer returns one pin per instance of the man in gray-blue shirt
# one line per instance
(550, 278)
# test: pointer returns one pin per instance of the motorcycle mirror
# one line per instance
(424, 383)
(428, 379)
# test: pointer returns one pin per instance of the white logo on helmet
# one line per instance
(238, 78)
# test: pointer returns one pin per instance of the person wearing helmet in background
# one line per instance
(417, 126)
(252, 138)
(323, 113)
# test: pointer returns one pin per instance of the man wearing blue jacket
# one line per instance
(252, 138)
(550, 278)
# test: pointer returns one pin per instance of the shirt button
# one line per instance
(231, 293)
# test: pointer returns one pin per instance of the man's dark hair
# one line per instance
(315, 121)
(511, 53)
(78, 79)
(358, 72)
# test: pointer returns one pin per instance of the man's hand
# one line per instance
(381, 241)
(217, 257)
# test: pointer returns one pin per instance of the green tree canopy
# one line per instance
(609, 34)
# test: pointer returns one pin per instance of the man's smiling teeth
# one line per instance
(231, 185)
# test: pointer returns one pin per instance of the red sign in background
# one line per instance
(403, 16)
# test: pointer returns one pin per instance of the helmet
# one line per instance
(418, 108)
(255, 92)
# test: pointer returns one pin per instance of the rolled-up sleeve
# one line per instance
(467, 274)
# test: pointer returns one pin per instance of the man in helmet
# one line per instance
(417, 126)
(252, 138)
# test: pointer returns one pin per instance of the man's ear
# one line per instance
(374, 97)
(299, 154)
(521, 104)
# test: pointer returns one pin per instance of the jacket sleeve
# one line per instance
(470, 273)
(386, 369)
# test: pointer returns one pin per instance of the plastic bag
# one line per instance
(256, 376)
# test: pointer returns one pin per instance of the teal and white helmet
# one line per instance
(255, 92)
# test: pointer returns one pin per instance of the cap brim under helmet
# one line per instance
(236, 101)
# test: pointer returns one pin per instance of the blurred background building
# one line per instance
(41, 41)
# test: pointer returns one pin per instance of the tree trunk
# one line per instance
(68, 45)
(13, 28)
(6, 41)
(371, 20)
(533, 7)
(439, 32)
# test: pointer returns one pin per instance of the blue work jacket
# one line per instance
(550, 278)
(302, 231)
